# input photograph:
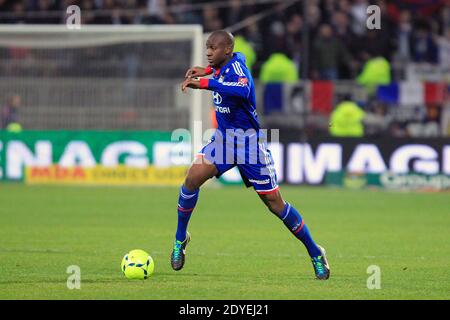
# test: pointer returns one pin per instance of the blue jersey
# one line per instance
(235, 103)
(234, 96)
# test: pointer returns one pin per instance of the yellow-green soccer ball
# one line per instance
(137, 264)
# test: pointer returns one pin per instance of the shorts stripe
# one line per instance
(268, 165)
(268, 191)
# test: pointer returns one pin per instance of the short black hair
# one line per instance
(225, 35)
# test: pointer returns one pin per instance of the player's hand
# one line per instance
(190, 83)
(195, 72)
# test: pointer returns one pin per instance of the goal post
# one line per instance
(102, 77)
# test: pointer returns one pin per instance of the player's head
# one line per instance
(219, 47)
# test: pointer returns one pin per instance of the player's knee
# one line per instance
(192, 183)
(194, 180)
(275, 207)
(274, 203)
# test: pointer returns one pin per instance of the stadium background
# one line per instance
(355, 108)
(313, 69)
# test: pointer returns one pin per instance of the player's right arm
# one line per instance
(198, 72)
(237, 86)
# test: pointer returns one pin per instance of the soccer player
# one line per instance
(234, 99)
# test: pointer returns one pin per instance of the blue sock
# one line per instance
(294, 222)
(186, 203)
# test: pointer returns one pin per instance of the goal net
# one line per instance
(101, 77)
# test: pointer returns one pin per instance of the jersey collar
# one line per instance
(225, 67)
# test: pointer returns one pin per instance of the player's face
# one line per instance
(217, 51)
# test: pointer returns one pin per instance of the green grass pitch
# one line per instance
(238, 249)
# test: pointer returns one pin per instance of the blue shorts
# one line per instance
(251, 156)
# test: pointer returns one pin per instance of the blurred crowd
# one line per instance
(339, 42)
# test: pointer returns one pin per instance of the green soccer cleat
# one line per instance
(320, 264)
(179, 252)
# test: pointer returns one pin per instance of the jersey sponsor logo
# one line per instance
(234, 84)
(222, 109)
(217, 98)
